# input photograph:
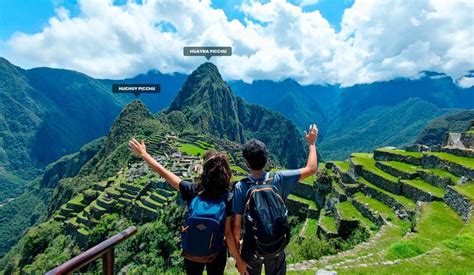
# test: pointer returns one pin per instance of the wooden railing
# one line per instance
(105, 250)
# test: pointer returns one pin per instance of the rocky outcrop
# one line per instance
(458, 202)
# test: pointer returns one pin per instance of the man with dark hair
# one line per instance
(255, 153)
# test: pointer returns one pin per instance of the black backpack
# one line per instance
(266, 218)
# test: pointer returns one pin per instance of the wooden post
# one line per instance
(108, 262)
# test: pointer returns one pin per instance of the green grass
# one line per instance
(442, 173)
(191, 149)
(140, 204)
(309, 180)
(417, 155)
(406, 202)
(343, 165)
(327, 222)
(349, 212)
(311, 204)
(238, 169)
(311, 227)
(77, 200)
(438, 227)
(83, 231)
(368, 164)
(437, 223)
(338, 188)
(467, 190)
(464, 161)
(401, 166)
(386, 212)
(424, 186)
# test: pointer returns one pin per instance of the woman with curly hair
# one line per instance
(212, 187)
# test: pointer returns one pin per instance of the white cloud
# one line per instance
(379, 40)
(305, 3)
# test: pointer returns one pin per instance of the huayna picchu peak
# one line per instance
(208, 104)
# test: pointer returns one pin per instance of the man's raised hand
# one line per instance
(312, 135)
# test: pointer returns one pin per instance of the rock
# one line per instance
(325, 272)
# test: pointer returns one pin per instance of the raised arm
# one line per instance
(312, 163)
(139, 149)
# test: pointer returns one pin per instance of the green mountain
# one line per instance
(287, 97)
(408, 205)
(79, 179)
(207, 103)
(437, 129)
(31, 206)
(381, 126)
(341, 111)
(45, 114)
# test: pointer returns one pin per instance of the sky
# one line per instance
(342, 42)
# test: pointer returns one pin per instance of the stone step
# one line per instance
(105, 203)
(165, 193)
(348, 216)
(437, 177)
(398, 169)
(132, 189)
(157, 197)
(419, 190)
(301, 206)
(327, 225)
(469, 153)
(461, 199)
(402, 205)
(150, 202)
(367, 210)
(459, 166)
(124, 201)
(364, 166)
(391, 154)
(338, 192)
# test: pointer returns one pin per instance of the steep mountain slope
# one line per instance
(380, 126)
(45, 114)
(31, 206)
(435, 132)
(209, 105)
(286, 97)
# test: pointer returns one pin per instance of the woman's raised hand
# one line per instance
(137, 148)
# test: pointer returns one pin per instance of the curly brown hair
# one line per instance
(216, 175)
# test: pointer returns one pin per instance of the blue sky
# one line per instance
(13, 17)
(275, 40)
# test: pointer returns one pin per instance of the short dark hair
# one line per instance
(255, 153)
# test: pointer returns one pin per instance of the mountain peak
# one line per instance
(203, 85)
(127, 122)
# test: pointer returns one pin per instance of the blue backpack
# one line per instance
(203, 231)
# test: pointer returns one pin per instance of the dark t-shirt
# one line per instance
(188, 192)
(284, 181)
